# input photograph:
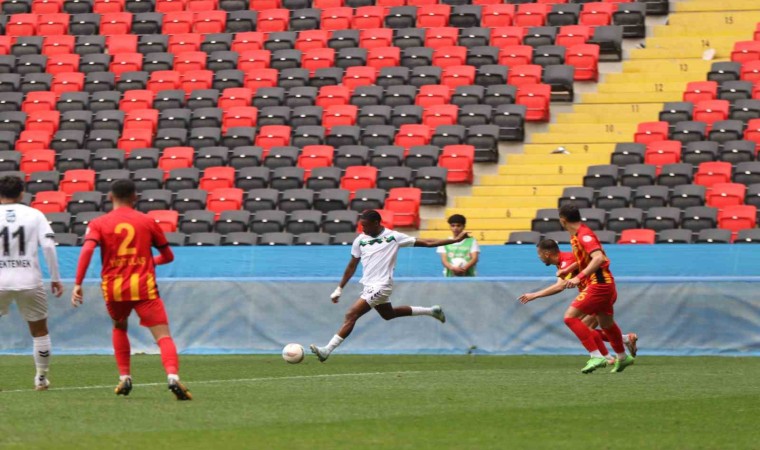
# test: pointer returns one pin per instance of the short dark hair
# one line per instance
(123, 189)
(548, 245)
(371, 215)
(570, 212)
(457, 218)
(11, 187)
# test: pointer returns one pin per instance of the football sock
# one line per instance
(124, 377)
(334, 342)
(421, 311)
(42, 354)
(596, 354)
(582, 332)
(121, 350)
(616, 340)
(172, 377)
(600, 342)
(169, 357)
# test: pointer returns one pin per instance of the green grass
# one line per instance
(390, 402)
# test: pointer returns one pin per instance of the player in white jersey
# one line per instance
(22, 230)
(377, 248)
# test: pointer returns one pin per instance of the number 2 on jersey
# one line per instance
(7, 235)
(126, 248)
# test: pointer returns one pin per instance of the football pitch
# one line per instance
(385, 402)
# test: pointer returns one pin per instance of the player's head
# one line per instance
(11, 188)
(371, 222)
(123, 192)
(457, 223)
(569, 214)
(548, 251)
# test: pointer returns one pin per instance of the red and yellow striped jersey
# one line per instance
(126, 237)
(585, 243)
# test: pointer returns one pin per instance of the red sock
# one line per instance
(600, 333)
(582, 332)
(121, 350)
(616, 338)
(169, 357)
(598, 338)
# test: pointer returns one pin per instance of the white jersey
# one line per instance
(378, 255)
(22, 230)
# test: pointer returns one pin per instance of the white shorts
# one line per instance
(32, 303)
(377, 295)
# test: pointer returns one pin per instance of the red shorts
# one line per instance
(596, 299)
(150, 312)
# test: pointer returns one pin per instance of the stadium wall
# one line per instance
(682, 300)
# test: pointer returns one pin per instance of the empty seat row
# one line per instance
(707, 174)
(234, 238)
(646, 236)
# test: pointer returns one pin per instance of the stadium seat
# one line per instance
(637, 236)
(50, 201)
(405, 204)
(736, 218)
(722, 195)
(709, 173)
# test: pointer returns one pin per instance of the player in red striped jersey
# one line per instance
(597, 296)
(126, 238)
(567, 268)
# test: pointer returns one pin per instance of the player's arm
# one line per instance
(165, 257)
(562, 273)
(556, 288)
(85, 256)
(158, 240)
(474, 257)
(347, 274)
(597, 259)
(445, 262)
(439, 242)
(51, 257)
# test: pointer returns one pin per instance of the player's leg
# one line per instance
(32, 305)
(611, 329)
(358, 309)
(591, 323)
(122, 349)
(388, 312)
(573, 320)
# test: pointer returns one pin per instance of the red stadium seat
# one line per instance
(141, 119)
(263, 5)
(637, 236)
(752, 132)
(56, 45)
(21, 25)
(107, 6)
(126, 62)
(201, 6)
(359, 177)
(647, 132)
(135, 138)
(497, 15)
(516, 55)
(441, 37)
(507, 36)
(571, 35)
(536, 99)
(273, 20)
(188, 61)
(47, 6)
(224, 199)
(248, 40)
(50, 201)
(662, 152)
(37, 160)
(254, 59)
(726, 194)
(39, 101)
(311, 39)
(67, 82)
(368, 17)
(168, 6)
(80, 180)
(261, 78)
(376, 37)
(429, 16)
(5, 44)
(47, 121)
(432, 94)
(405, 204)
(337, 18)
(125, 43)
(712, 172)
(176, 158)
(359, 76)
(744, 51)
(196, 79)
(736, 218)
(217, 178)
(167, 220)
(324, 4)
(531, 14)
(317, 58)
(711, 111)
(524, 75)
(379, 57)
(33, 140)
(454, 76)
(136, 99)
(313, 156)
(390, 3)
(178, 22)
(458, 160)
(238, 116)
(698, 91)
(597, 14)
(585, 59)
(210, 22)
(235, 97)
(164, 80)
(450, 56)
(115, 23)
(62, 64)
(440, 115)
(751, 71)
(333, 95)
(273, 136)
(410, 135)
(337, 115)
(53, 24)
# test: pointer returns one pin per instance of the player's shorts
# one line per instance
(32, 303)
(596, 299)
(150, 312)
(377, 295)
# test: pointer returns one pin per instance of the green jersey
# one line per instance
(459, 254)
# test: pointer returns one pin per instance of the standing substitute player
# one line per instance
(125, 237)
(377, 248)
(22, 230)
(598, 296)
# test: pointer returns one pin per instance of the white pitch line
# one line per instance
(241, 380)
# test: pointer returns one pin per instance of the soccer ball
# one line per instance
(458, 262)
(293, 353)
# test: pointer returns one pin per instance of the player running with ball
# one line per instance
(377, 248)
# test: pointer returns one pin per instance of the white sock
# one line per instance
(334, 342)
(625, 338)
(172, 377)
(421, 311)
(42, 354)
(124, 377)
(622, 356)
(596, 354)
